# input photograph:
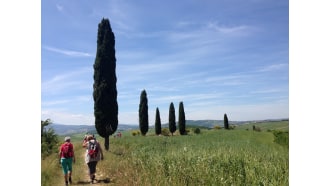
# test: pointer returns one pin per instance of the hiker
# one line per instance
(66, 155)
(92, 145)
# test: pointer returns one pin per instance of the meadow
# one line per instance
(213, 157)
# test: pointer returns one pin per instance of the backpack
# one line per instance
(93, 149)
(67, 150)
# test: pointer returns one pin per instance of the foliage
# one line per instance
(217, 157)
(143, 113)
(165, 132)
(254, 128)
(104, 87)
(49, 140)
(182, 120)
(197, 131)
(136, 133)
(225, 121)
(265, 125)
(281, 137)
(232, 127)
(158, 126)
(217, 127)
(171, 119)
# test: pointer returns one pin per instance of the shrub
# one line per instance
(165, 132)
(136, 133)
(217, 127)
(49, 139)
(256, 128)
(197, 131)
(281, 138)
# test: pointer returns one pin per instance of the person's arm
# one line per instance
(85, 143)
(59, 154)
(73, 156)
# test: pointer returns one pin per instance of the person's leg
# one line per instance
(65, 170)
(70, 169)
(92, 170)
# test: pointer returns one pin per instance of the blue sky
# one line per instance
(216, 56)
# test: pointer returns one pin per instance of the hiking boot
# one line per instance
(70, 181)
(66, 183)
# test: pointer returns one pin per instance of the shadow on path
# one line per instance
(96, 181)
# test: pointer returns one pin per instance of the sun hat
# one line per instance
(67, 138)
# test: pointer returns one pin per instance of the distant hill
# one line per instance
(62, 129)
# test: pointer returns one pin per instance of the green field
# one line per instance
(214, 157)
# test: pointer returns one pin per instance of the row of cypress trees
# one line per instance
(144, 122)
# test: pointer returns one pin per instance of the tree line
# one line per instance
(144, 122)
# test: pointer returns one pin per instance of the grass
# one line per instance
(214, 157)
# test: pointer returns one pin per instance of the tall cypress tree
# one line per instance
(182, 120)
(158, 127)
(171, 119)
(143, 113)
(225, 121)
(104, 87)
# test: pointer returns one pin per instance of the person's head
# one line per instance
(90, 137)
(67, 139)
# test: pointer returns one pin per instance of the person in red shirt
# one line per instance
(66, 155)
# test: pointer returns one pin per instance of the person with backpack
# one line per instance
(66, 155)
(94, 153)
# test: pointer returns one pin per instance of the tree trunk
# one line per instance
(106, 143)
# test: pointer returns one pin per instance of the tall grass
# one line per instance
(214, 157)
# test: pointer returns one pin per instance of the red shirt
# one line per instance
(70, 149)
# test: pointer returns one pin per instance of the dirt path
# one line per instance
(99, 180)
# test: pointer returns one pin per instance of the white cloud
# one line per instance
(240, 29)
(68, 118)
(267, 91)
(68, 52)
(66, 81)
(273, 67)
(59, 7)
(52, 103)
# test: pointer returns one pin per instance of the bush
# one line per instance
(232, 127)
(197, 131)
(281, 138)
(49, 139)
(256, 128)
(165, 132)
(135, 133)
(217, 127)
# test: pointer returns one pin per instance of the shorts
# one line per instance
(66, 165)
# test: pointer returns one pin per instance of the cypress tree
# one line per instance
(225, 121)
(171, 119)
(158, 127)
(104, 87)
(182, 120)
(143, 113)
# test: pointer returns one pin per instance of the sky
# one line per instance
(216, 56)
